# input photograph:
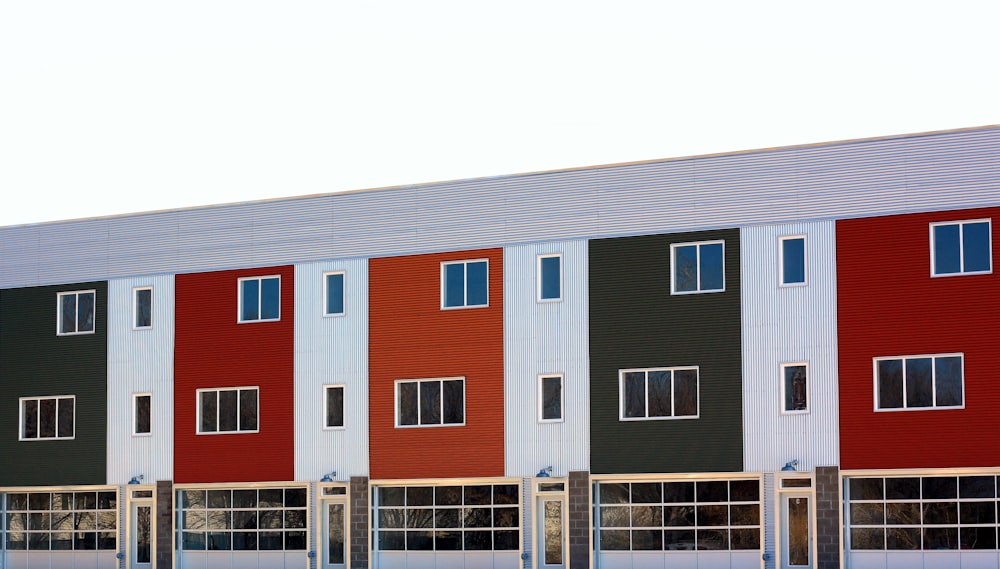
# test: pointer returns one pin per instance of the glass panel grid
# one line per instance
(47, 418)
(242, 519)
(61, 520)
(919, 382)
(658, 393)
(697, 267)
(260, 299)
(230, 410)
(464, 284)
(430, 402)
(961, 248)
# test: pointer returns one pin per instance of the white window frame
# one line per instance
(673, 399)
(444, 284)
(343, 388)
(673, 267)
(805, 411)
(961, 247)
(441, 380)
(781, 260)
(40, 398)
(77, 293)
(218, 390)
(239, 294)
(135, 414)
(538, 279)
(343, 294)
(541, 398)
(135, 308)
(904, 408)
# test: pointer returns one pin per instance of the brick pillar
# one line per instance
(828, 508)
(579, 520)
(359, 522)
(163, 524)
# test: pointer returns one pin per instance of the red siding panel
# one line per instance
(889, 305)
(213, 351)
(410, 337)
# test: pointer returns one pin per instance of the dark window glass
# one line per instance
(647, 539)
(430, 403)
(209, 411)
(948, 381)
(47, 418)
(143, 419)
(245, 499)
(678, 540)
(685, 393)
(392, 496)
(977, 512)
(744, 515)
(505, 494)
(419, 496)
(454, 284)
(744, 490)
(454, 402)
(947, 259)
(505, 540)
(658, 393)
(793, 260)
(248, 409)
(335, 406)
(335, 293)
(678, 492)
(143, 307)
(866, 514)
(407, 403)
(295, 497)
(890, 384)
(614, 493)
(244, 541)
(616, 539)
(478, 495)
(713, 539)
(448, 495)
(902, 513)
(647, 516)
(678, 516)
(224, 499)
(67, 313)
(476, 287)
(635, 394)
(712, 491)
(447, 518)
(902, 488)
(902, 538)
(976, 487)
(478, 540)
(978, 538)
(686, 268)
(976, 247)
(251, 300)
(85, 312)
(270, 540)
(919, 383)
(550, 285)
(745, 539)
(962, 247)
(710, 267)
(647, 493)
(270, 298)
(795, 388)
(478, 518)
(939, 513)
(940, 538)
(866, 489)
(391, 540)
(939, 487)
(31, 419)
(867, 538)
(295, 540)
(228, 410)
(551, 398)
(714, 515)
(448, 540)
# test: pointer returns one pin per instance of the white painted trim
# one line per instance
(39, 399)
(197, 396)
(343, 299)
(239, 296)
(538, 277)
(875, 390)
(673, 266)
(343, 410)
(961, 246)
(673, 399)
(562, 398)
(135, 307)
(465, 273)
(134, 415)
(781, 260)
(395, 392)
(781, 406)
(77, 293)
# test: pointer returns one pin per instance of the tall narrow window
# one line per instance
(961, 248)
(697, 267)
(142, 307)
(464, 284)
(142, 409)
(333, 293)
(75, 312)
(231, 410)
(260, 299)
(793, 260)
(333, 406)
(549, 278)
(794, 387)
(550, 398)
(47, 418)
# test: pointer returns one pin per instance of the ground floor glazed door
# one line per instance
(551, 523)
(140, 526)
(797, 531)
(334, 542)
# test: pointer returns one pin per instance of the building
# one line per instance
(768, 359)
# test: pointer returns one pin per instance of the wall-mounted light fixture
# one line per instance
(790, 465)
(328, 477)
(544, 473)
(136, 479)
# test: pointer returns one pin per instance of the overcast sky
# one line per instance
(118, 107)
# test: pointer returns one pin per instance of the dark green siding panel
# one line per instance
(636, 323)
(34, 361)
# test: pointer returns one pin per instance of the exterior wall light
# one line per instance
(544, 473)
(136, 479)
(790, 465)
(328, 477)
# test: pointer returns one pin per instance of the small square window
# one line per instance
(230, 410)
(76, 312)
(142, 411)
(142, 307)
(919, 382)
(658, 393)
(48, 418)
(430, 402)
(550, 398)
(464, 284)
(697, 267)
(549, 278)
(792, 260)
(795, 388)
(333, 294)
(961, 248)
(333, 407)
(260, 299)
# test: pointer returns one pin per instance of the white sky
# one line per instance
(116, 107)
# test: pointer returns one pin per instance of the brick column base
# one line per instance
(828, 508)
(579, 520)
(359, 522)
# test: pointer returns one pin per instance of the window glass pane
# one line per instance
(270, 298)
(902, 488)
(143, 422)
(713, 539)
(251, 300)
(978, 538)
(85, 312)
(902, 513)
(976, 487)
(66, 416)
(635, 394)
(678, 540)
(209, 411)
(678, 516)
(67, 313)
(224, 499)
(940, 487)
(228, 410)
(551, 398)
(919, 386)
(476, 287)
(946, 249)
(505, 494)
(658, 393)
(454, 287)
(710, 269)
(646, 493)
(143, 308)
(334, 406)
(478, 496)
(868, 513)
(712, 491)
(940, 538)
(335, 293)
(615, 516)
(795, 388)
(419, 496)
(940, 513)
(550, 287)
(890, 384)
(248, 409)
(430, 402)
(685, 393)
(454, 402)
(686, 268)
(30, 429)
(976, 247)
(47, 418)
(646, 540)
(614, 493)
(744, 491)
(407, 403)
(866, 489)
(674, 492)
(793, 260)
(948, 381)
(448, 496)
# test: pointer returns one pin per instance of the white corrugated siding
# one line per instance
(140, 361)
(947, 170)
(545, 338)
(784, 325)
(331, 350)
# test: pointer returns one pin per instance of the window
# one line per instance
(232, 410)
(961, 248)
(62, 521)
(48, 418)
(792, 260)
(678, 515)
(142, 307)
(795, 387)
(464, 284)
(550, 398)
(142, 409)
(658, 393)
(222, 519)
(426, 402)
(76, 312)
(697, 267)
(549, 278)
(480, 517)
(333, 407)
(919, 382)
(260, 299)
(333, 294)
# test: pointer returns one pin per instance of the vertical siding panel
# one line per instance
(140, 361)
(785, 325)
(331, 350)
(545, 338)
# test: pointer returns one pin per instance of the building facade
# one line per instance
(767, 359)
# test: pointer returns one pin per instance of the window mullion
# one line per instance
(465, 284)
(905, 406)
(697, 268)
(961, 247)
(218, 411)
(419, 418)
(441, 401)
(673, 395)
(645, 388)
(934, 381)
(239, 413)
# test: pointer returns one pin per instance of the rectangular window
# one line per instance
(48, 418)
(75, 312)
(333, 293)
(333, 407)
(919, 382)
(795, 387)
(697, 267)
(242, 519)
(658, 393)
(464, 284)
(429, 402)
(62, 521)
(550, 398)
(142, 307)
(549, 278)
(792, 260)
(142, 411)
(260, 299)
(231, 410)
(961, 248)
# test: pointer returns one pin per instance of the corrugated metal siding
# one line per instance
(838, 180)
(769, 521)
(331, 350)
(140, 361)
(786, 325)
(549, 338)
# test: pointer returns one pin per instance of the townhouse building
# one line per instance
(767, 359)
